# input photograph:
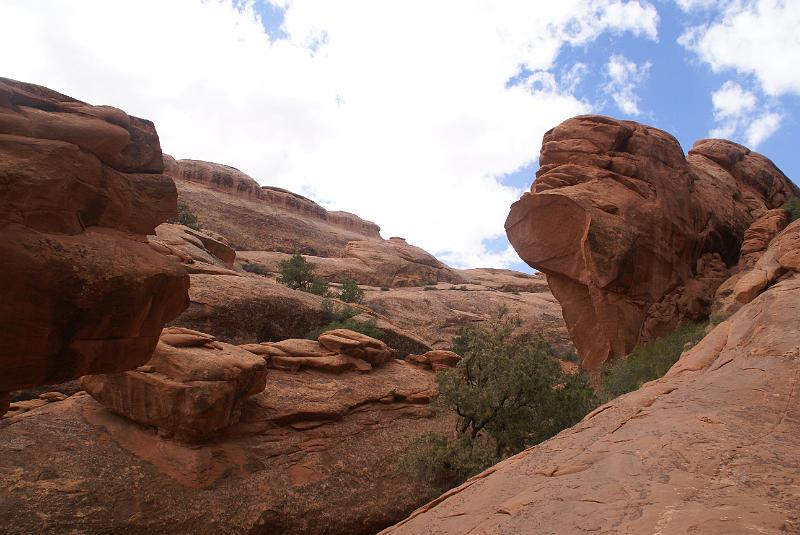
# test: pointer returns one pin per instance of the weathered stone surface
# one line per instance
(710, 448)
(231, 203)
(5, 399)
(191, 389)
(618, 219)
(763, 229)
(313, 453)
(436, 359)
(82, 290)
(200, 251)
(782, 257)
(354, 344)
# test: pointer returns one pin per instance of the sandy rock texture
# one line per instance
(633, 236)
(315, 452)
(713, 447)
(191, 388)
(83, 291)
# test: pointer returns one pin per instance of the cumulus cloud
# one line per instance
(738, 115)
(754, 37)
(624, 77)
(397, 111)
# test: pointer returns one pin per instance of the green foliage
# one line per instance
(511, 386)
(254, 268)
(343, 317)
(350, 292)
(296, 273)
(508, 392)
(441, 463)
(649, 361)
(185, 217)
(792, 207)
(318, 287)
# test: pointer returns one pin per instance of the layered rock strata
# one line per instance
(633, 236)
(192, 388)
(83, 292)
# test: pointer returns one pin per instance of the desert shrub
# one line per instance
(648, 362)
(792, 207)
(254, 268)
(296, 273)
(508, 392)
(440, 463)
(343, 317)
(185, 217)
(318, 287)
(350, 292)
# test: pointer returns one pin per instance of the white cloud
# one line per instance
(695, 5)
(731, 100)
(738, 116)
(753, 37)
(397, 111)
(762, 128)
(624, 77)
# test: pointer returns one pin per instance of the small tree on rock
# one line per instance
(296, 273)
(351, 292)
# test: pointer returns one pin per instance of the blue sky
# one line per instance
(425, 117)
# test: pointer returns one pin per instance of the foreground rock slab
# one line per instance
(192, 388)
(713, 447)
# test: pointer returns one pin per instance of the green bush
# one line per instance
(318, 287)
(185, 217)
(792, 207)
(648, 362)
(298, 274)
(508, 392)
(440, 463)
(254, 268)
(343, 317)
(350, 292)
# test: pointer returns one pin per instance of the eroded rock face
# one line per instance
(435, 360)
(83, 292)
(191, 389)
(710, 448)
(633, 236)
(200, 251)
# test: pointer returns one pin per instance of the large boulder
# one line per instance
(712, 447)
(633, 236)
(83, 292)
(191, 389)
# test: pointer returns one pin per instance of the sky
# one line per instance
(425, 117)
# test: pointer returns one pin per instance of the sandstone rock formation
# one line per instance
(200, 251)
(710, 448)
(435, 360)
(192, 388)
(633, 236)
(315, 452)
(83, 292)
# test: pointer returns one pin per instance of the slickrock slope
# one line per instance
(82, 291)
(315, 452)
(713, 447)
(633, 236)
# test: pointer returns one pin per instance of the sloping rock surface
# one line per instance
(633, 236)
(83, 292)
(713, 447)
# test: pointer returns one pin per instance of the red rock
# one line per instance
(191, 390)
(763, 229)
(782, 257)
(618, 219)
(710, 448)
(5, 399)
(200, 251)
(82, 290)
(436, 360)
(356, 345)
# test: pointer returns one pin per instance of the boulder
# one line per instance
(781, 258)
(619, 220)
(437, 359)
(83, 292)
(355, 344)
(191, 389)
(200, 251)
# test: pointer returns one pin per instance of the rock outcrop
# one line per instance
(83, 292)
(712, 447)
(192, 388)
(634, 237)
(317, 451)
(435, 360)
